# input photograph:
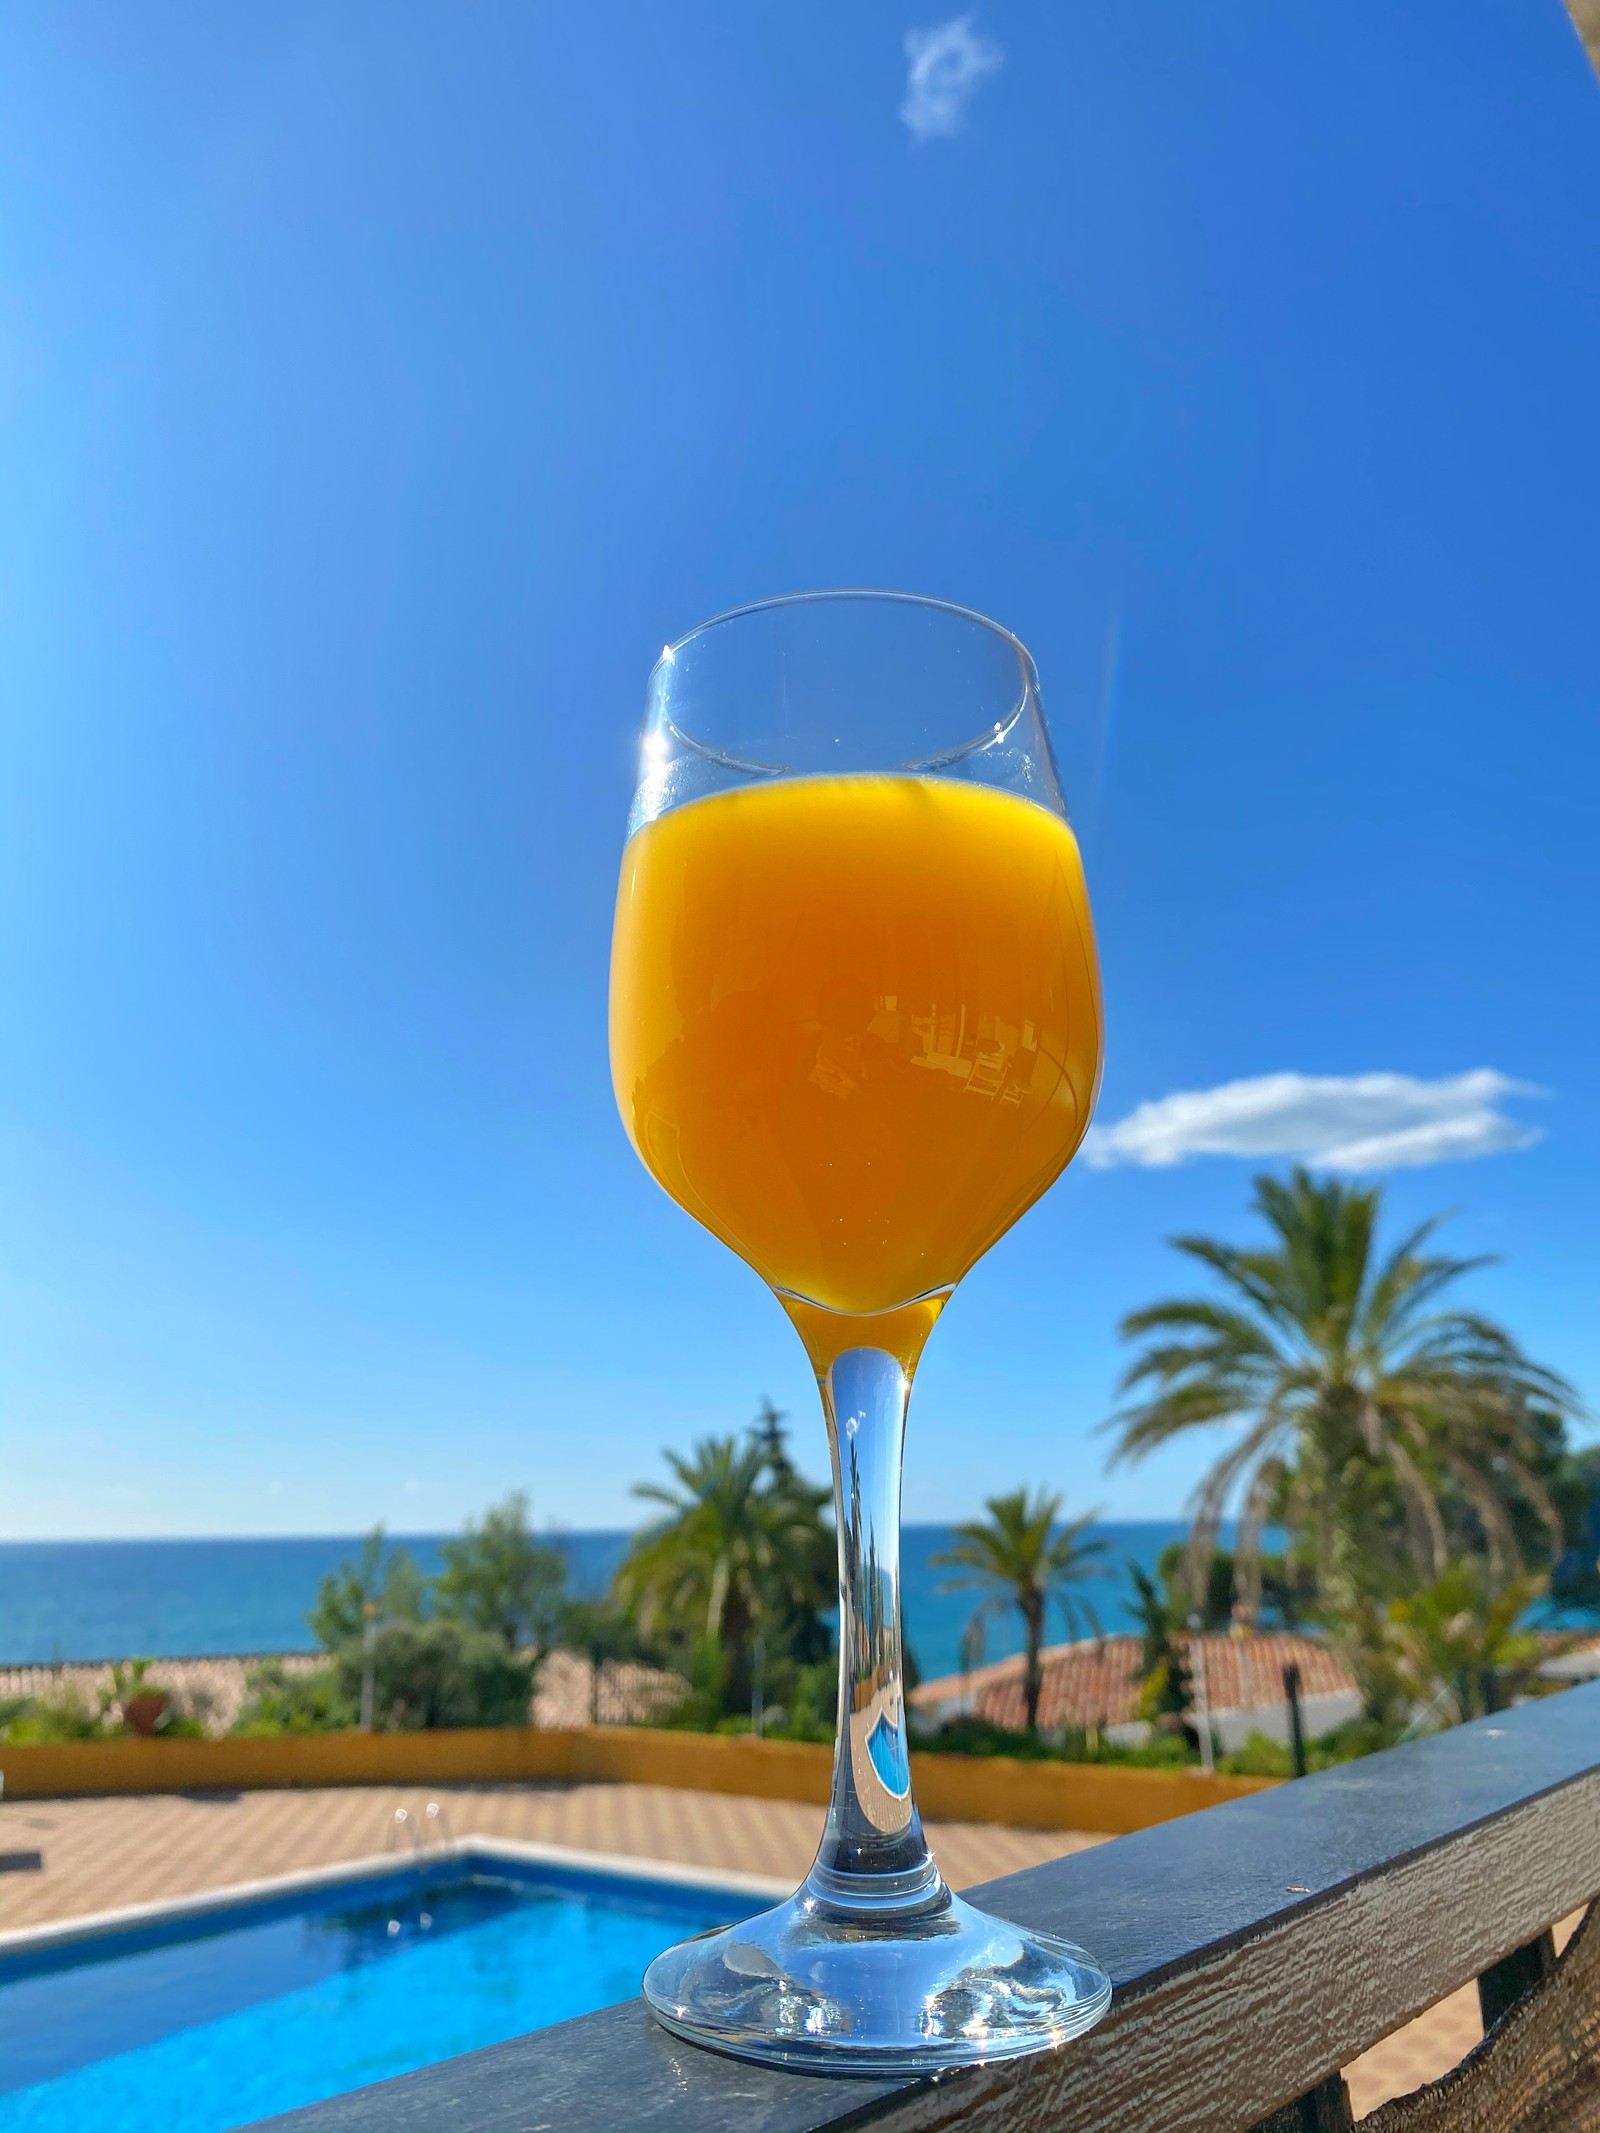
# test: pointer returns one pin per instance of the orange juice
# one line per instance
(855, 1024)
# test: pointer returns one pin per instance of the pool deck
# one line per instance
(98, 1854)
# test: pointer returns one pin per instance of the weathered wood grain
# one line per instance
(1255, 1950)
(1538, 2070)
(1504, 1983)
(1221, 2044)
(1325, 2110)
(1586, 21)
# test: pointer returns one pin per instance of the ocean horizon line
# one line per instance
(438, 1533)
(198, 1595)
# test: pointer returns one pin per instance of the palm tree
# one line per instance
(1021, 1560)
(737, 1549)
(1347, 1390)
(1455, 1645)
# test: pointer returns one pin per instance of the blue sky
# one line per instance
(381, 385)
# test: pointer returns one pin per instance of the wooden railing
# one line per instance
(1256, 1948)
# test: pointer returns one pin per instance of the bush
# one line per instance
(977, 1736)
(810, 1709)
(1261, 1757)
(277, 1701)
(68, 1715)
(439, 1673)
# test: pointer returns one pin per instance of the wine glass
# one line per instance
(856, 1032)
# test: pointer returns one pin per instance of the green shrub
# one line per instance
(1071, 1744)
(811, 1707)
(977, 1736)
(67, 1715)
(1261, 1757)
(438, 1673)
(277, 1701)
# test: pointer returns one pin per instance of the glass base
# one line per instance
(811, 1985)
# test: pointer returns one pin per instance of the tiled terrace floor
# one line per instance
(101, 1853)
(98, 1854)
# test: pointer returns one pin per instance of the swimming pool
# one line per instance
(212, 2015)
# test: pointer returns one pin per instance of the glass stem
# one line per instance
(873, 1856)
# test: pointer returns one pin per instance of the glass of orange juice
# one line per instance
(856, 1032)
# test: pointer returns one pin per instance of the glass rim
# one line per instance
(820, 594)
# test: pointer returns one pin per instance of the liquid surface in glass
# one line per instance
(855, 1023)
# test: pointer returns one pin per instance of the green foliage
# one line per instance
(277, 1701)
(1455, 1644)
(1072, 1744)
(382, 1581)
(1018, 1558)
(977, 1736)
(1261, 1757)
(439, 1673)
(67, 1715)
(803, 1579)
(812, 1708)
(70, 1713)
(129, 1678)
(1387, 1433)
(436, 1673)
(497, 1577)
(741, 1553)
(1166, 1692)
(1575, 1485)
(1287, 1589)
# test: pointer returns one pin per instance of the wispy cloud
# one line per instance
(1340, 1122)
(944, 69)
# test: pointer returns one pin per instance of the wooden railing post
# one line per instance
(1505, 1982)
(1325, 2110)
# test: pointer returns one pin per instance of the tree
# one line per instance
(739, 1552)
(802, 1579)
(384, 1580)
(1385, 1431)
(1020, 1560)
(1576, 1488)
(447, 1672)
(498, 1577)
(1284, 1587)
(1455, 1646)
(278, 1701)
(1166, 1691)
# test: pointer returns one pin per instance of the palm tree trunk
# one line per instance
(1032, 1673)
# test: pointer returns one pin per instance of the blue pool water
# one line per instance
(222, 2027)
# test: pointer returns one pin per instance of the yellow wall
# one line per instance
(949, 1787)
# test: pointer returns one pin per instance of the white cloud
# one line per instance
(1339, 1122)
(944, 68)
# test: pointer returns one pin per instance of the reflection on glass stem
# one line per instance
(873, 1853)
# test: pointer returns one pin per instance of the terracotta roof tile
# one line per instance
(1096, 1682)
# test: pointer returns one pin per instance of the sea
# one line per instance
(163, 1599)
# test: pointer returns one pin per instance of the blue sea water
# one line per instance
(216, 2032)
(183, 1598)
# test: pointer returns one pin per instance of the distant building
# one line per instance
(1095, 1683)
